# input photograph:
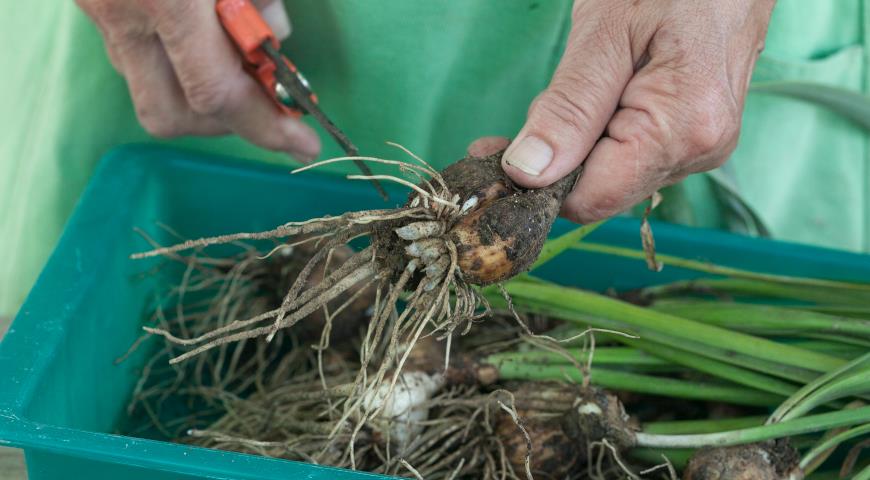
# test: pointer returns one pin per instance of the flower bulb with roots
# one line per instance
(464, 226)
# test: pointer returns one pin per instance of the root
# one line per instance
(307, 227)
(290, 299)
(424, 223)
(666, 465)
(608, 462)
(514, 415)
(362, 273)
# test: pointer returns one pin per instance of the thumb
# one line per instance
(567, 118)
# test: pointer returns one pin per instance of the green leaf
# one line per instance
(857, 294)
(707, 425)
(832, 442)
(808, 424)
(716, 368)
(810, 388)
(763, 318)
(643, 321)
(711, 268)
(614, 356)
(863, 474)
(652, 385)
(563, 242)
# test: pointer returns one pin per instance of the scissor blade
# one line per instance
(301, 94)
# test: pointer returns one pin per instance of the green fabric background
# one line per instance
(432, 75)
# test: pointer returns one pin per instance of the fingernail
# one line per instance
(531, 155)
(276, 16)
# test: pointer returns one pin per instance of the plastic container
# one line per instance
(61, 395)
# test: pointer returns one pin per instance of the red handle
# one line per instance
(246, 27)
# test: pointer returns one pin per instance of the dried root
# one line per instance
(432, 425)
(210, 295)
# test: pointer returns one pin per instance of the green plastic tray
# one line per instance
(61, 395)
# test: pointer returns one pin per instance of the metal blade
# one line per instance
(301, 94)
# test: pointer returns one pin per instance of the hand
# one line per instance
(646, 93)
(186, 77)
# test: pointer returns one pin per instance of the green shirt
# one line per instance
(431, 76)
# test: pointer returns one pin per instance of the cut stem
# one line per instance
(620, 356)
(669, 387)
(763, 318)
(645, 322)
(808, 424)
(679, 427)
(712, 268)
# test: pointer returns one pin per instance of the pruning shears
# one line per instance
(279, 77)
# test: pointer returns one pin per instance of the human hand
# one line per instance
(186, 77)
(646, 93)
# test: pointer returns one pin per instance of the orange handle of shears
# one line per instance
(248, 30)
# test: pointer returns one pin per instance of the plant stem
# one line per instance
(842, 310)
(708, 267)
(854, 383)
(601, 356)
(832, 442)
(742, 287)
(669, 387)
(810, 423)
(863, 474)
(716, 368)
(702, 426)
(555, 246)
(843, 350)
(654, 360)
(793, 401)
(644, 321)
(651, 335)
(864, 344)
(763, 318)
